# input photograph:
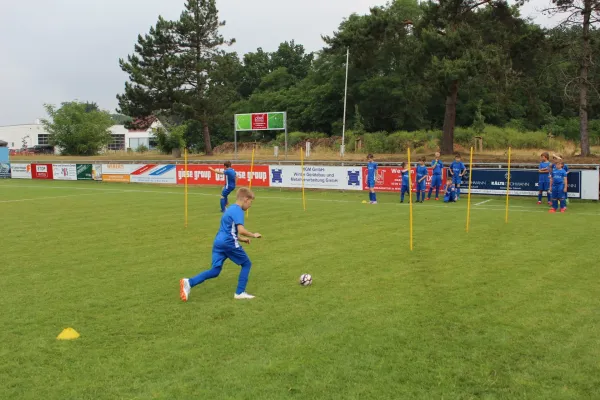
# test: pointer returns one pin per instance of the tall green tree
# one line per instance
(584, 14)
(76, 130)
(171, 67)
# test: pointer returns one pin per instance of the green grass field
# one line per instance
(508, 311)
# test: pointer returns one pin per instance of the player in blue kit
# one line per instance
(436, 178)
(227, 246)
(372, 171)
(450, 192)
(544, 178)
(559, 187)
(421, 180)
(555, 159)
(229, 174)
(457, 170)
(405, 173)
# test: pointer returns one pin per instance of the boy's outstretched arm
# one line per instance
(244, 232)
(215, 171)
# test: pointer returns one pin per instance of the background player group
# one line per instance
(552, 180)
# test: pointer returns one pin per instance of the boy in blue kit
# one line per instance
(436, 178)
(457, 169)
(556, 158)
(227, 245)
(544, 178)
(405, 173)
(372, 171)
(450, 189)
(421, 180)
(229, 187)
(559, 187)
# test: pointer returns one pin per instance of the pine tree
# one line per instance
(170, 70)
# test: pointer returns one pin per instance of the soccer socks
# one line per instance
(457, 192)
(563, 203)
(540, 197)
(375, 197)
(555, 204)
(203, 276)
(418, 196)
(243, 279)
(437, 192)
(549, 196)
(223, 203)
(402, 196)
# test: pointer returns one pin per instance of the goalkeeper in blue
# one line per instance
(227, 246)
(559, 187)
(421, 180)
(372, 171)
(457, 170)
(229, 174)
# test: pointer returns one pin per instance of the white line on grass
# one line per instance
(483, 202)
(45, 198)
(482, 207)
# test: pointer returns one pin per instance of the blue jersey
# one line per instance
(371, 167)
(421, 172)
(228, 231)
(558, 178)
(565, 167)
(438, 166)
(229, 179)
(457, 167)
(405, 174)
(545, 176)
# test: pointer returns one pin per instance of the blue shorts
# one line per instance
(436, 181)
(226, 192)
(558, 193)
(457, 179)
(371, 184)
(422, 185)
(543, 186)
(221, 253)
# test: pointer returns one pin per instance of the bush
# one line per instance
(142, 149)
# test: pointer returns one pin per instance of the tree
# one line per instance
(584, 14)
(293, 57)
(171, 68)
(77, 131)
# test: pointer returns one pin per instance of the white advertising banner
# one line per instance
(64, 172)
(152, 173)
(97, 172)
(316, 177)
(20, 171)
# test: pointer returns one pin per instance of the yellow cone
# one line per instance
(364, 202)
(68, 334)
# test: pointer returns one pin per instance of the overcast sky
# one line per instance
(60, 50)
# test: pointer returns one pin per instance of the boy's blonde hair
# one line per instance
(244, 193)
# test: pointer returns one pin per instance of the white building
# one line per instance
(30, 135)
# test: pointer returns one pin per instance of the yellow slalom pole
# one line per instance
(508, 185)
(302, 167)
(410, 201)
(469, 197)
(185, 191)
(251, 175)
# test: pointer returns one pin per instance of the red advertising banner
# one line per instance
(202, 175)
(41, 171)
(260, 121)
(388, 179)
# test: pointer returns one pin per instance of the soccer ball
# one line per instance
(305, 279)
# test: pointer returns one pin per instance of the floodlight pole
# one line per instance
(286, 133)
(235, 135)
(345, 99)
